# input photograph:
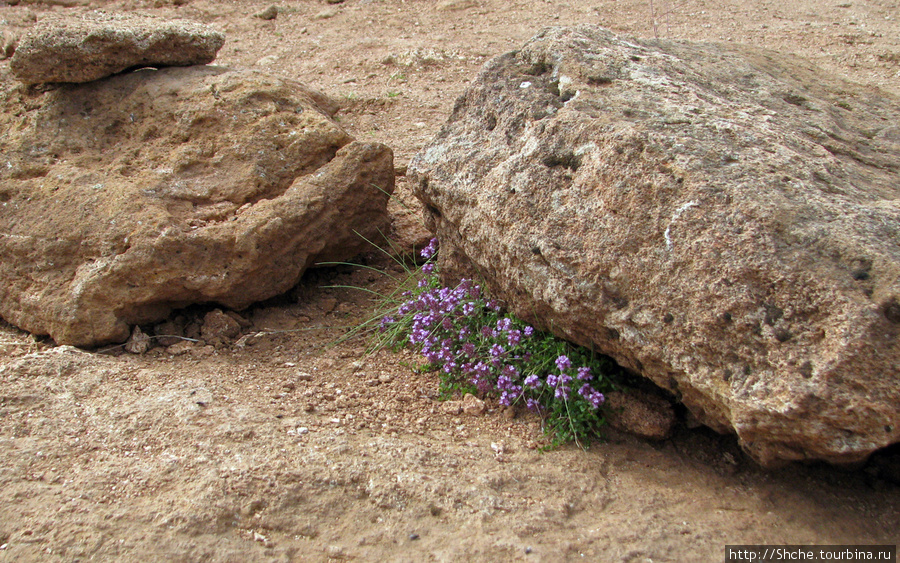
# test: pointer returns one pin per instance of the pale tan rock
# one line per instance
(138, 343)
(98, 44)
(473, 406)
(721, 219)
(123, 199)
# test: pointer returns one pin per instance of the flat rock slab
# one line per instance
(98, 44)
(723, 220)
(124, 198)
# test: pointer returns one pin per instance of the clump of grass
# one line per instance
(464, 335)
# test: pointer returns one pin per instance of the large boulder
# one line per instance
(124, 198)
(723, 220)
(98, 44)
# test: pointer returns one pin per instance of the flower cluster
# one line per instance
(463, 334)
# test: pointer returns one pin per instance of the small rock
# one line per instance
(139, 342)
(473, 406)
(247, 340)
(241, 320)
(456, 5)
(269, 13)
(219, 328)
(100, 44)
(325, 14)
(180, 348)
(268, 60)
(303, 376)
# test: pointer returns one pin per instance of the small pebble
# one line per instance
(269, 13)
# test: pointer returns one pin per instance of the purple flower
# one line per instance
(483, 385)
(584, 373)
(514, 337)
(594, 397)
(511, 372)
(482, 369)
(563, 363)
(532, 405)
(468, 308)
(504, 324)
(486, 332)
(428, 268)
(469, 349)
(552, 380)
(562, 392)
(528, 331)
(430, 250)
(497, 350)
(533, 381)
(585, 390)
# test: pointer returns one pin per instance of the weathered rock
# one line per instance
(219, 328)
(99, 44)
(126, 198)
(138, 343)
(473, 406)
(723, 220)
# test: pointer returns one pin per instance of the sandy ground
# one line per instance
(285, 447)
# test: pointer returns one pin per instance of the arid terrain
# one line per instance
(291, 445)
